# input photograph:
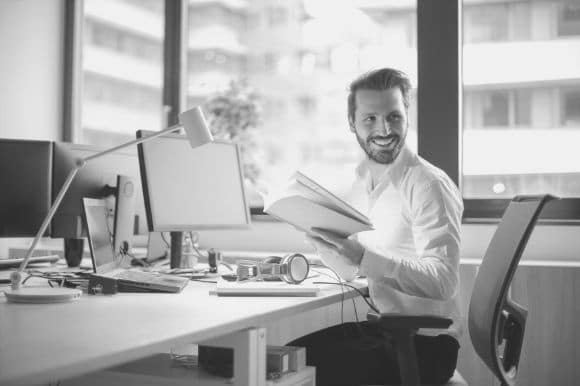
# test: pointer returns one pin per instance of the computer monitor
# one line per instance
(32, 173)
(98, 179)
(26, 178)
(187, 189)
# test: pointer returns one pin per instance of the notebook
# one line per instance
(107, 263)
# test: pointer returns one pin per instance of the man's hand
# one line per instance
(327, 242)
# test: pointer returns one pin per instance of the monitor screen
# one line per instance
(99, 233)
(25, 195)
(91, 182)
(192, 188)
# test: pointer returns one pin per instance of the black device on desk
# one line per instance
(188, 189)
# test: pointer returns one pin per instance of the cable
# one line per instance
(51, 277)
(165, 240)
(199, 254)
(372, 306)
(355, 310)
(339, 281)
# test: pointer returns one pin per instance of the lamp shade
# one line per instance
(195, 126)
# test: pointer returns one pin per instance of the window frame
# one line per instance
(439, 53)
(439, 95)
(174, 60)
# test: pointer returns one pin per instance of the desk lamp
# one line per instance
(196, 130)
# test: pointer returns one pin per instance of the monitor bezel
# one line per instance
(179, 227)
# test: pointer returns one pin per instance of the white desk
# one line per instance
(47, 343)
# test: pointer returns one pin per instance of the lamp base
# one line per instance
(42, 295)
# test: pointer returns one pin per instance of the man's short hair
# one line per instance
(381, 79)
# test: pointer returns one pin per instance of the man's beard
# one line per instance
(381, 155)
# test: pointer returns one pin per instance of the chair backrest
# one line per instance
(496, 322)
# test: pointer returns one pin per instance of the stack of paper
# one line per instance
(265, 288)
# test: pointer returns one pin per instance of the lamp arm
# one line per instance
(16, 276)
(135, 142)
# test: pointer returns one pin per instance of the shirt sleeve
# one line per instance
(435, 212)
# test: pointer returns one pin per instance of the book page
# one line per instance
(326, 198)
(305, 214)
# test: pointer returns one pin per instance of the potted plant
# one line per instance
(234, 114)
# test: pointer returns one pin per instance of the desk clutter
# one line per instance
(280, 360)
(286, 275)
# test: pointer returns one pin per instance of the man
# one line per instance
(411, 258)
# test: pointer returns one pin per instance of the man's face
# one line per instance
(380, 123)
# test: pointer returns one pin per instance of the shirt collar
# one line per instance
(393, 172)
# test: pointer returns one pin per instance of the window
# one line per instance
(287, 84)
(519, 130)
(121, 71)
(485, 22)
(571, 109)
(497, 109)
(569, 19)
(300, 60)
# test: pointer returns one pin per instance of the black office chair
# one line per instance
(496, 322)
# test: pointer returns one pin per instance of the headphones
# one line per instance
(292, 268)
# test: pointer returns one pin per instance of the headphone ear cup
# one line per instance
(297, 268)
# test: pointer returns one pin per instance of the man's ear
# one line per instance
(351, 126)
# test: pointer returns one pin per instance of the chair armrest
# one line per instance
(411, 322)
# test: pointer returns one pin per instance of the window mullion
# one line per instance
(174, 60)
(439, 109)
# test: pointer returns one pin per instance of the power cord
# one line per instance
(57, 278)
(372, 306)
(338, 281)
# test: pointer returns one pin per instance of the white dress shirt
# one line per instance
(411, 257)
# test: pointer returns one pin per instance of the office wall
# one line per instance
(31, 51)
(31, 47)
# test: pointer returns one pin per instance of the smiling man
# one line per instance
(411, 258)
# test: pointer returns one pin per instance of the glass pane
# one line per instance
(521, 106)
(122, 70)
(277, 73)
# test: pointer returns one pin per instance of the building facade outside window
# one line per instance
(300, 59)
(122, 70)
(520, 121)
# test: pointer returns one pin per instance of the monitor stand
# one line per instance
(176, 241)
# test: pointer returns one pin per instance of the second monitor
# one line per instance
(187, 189)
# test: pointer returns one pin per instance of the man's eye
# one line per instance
(395, 117)
(370, 119)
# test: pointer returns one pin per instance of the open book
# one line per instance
(305, 204)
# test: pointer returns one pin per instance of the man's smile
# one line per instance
(385, 142)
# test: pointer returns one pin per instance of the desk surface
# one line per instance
(47, 342)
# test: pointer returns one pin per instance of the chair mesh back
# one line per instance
(488, 301)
